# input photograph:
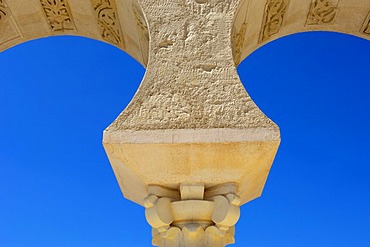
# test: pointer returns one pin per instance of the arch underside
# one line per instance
(123, 24)
(117, 22)
(259, 22)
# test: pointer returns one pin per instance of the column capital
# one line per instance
(194, 220)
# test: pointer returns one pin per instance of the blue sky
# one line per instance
(56, 185)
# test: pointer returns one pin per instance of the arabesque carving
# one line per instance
(108, 21)
(3, 12)
(58, 15)
(322, 12)
(273, 19)
(366, 26)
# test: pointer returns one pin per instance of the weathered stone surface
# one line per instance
(191, 119)
(191, 81)
(191, 146)
(124, 20)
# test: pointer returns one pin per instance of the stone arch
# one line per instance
(119, 23)
(259, 22)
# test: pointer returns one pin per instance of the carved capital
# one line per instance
(194, 220)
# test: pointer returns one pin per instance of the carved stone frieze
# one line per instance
(3, 10)
(322, 12)
(273, 19)
(366, 27)
(108, 22)
(58, 14)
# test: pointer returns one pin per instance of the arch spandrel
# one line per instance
(259, 22)
(119, 23)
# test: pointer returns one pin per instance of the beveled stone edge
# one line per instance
(175, 136)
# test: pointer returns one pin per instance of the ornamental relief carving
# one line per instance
(143, 32)
(366, 27)
(205, 7)
(322, 12)
(238, 42)
(108, 21)
(273, 19)
(9, 30)
(58, 15)
(3, 12)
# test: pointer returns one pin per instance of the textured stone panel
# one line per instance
(8, 27)
(322, 12)
(58, 14)
(108, 21)
(273, 19)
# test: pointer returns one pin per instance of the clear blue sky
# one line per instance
(57, 188)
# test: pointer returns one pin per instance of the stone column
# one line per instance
(192, 146)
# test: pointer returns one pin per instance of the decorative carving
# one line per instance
(108, 21)
(366, 27)
(205, 7)
(238, 37)
(9, 29)
(58, 15)
(194, 235)
(143, 33)
(321, 12)
(273, 19)
(238, 42)
(196, 220)
(3, 12)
